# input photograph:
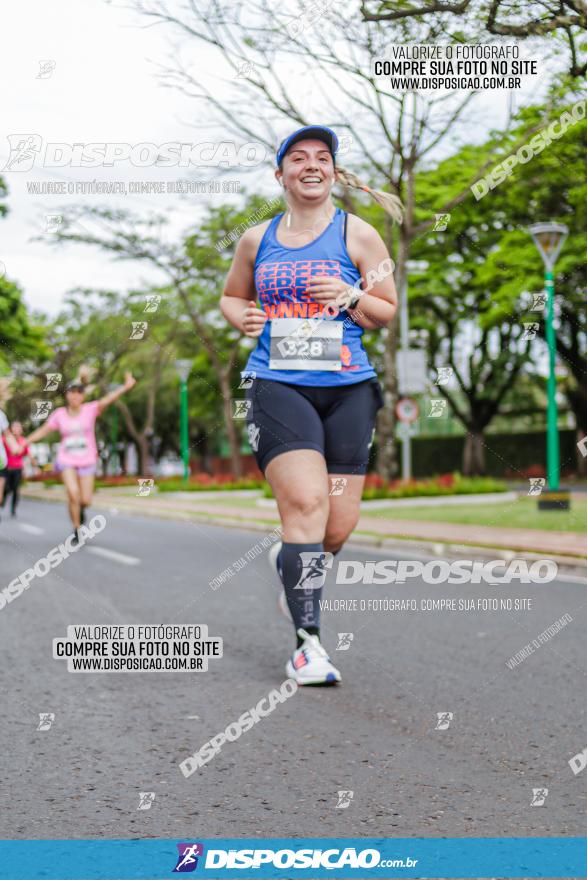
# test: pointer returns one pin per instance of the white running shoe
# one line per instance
(272, 559)
(272, 555)
(310, 664)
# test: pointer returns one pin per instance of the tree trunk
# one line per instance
(233, 439)
(386, 421)
(474, 454)
(581, 455)
(145, 460)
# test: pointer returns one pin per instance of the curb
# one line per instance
(430, 549)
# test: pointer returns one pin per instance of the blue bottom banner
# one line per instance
(294, 857)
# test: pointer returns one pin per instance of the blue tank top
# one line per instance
(281, 277)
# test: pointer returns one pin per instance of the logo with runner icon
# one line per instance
(40, 410)
(46, 719)
(314, 569)
(188, 857)
(344, 641)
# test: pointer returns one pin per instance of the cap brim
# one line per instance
(308, 133)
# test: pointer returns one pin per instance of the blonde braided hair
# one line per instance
(390, 203)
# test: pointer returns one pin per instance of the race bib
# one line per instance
(76, 444)
(305, 344)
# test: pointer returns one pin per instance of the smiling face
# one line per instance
(74, 397)
(307, 171)
(16, 429)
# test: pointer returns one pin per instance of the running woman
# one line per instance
(77, 456)
(7, 446)
(14, 465)
(322, 276)
(3, 455)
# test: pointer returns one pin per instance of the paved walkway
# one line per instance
(189, 506)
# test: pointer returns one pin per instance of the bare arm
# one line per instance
(11, 442)
(108, 399)
(378, 297)
(39, 434)
(237, 303)
(378, 305)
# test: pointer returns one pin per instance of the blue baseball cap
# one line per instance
(309, 132)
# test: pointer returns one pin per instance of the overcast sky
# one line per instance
(101, 85)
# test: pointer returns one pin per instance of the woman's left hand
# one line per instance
(325, 289)
(129, 381)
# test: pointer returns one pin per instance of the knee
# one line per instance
(74, 496)
(309, 505)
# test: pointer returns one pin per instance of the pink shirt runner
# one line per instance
(15, 460)
(78, 440)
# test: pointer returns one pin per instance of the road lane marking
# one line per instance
(31, 530)
(113, 555)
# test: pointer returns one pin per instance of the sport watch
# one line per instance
(354, 301)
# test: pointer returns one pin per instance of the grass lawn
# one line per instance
(224, 500)
(520, 514)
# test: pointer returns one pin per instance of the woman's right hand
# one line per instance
(254, 320)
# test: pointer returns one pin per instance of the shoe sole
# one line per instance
(330, 679)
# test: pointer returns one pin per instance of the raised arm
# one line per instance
(10, 442)
(108, 399)
(40, 433)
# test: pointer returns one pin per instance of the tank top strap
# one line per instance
(269, 238)
(270, 231)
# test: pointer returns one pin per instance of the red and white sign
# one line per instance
(407, 410)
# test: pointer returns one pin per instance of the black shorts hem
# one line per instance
(358, 469)
(287, 447)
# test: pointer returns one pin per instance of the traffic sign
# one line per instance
(407, 410)
(412, 371)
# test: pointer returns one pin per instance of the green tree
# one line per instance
(19, 339)
(553, 186)
(563, 22)
(194, 270)
(474, 298)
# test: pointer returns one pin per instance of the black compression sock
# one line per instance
(303, 575)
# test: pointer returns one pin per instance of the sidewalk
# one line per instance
(566, 547)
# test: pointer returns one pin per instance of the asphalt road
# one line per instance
(116, 735)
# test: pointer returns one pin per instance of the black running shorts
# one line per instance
(338, 421)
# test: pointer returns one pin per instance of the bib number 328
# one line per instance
(300, 344)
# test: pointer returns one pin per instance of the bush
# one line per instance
(206, 483)
(196, 483)
(446, 484)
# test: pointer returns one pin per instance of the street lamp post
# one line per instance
(183, 368)
(114, 457)
(549, 239)
(413, 267)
